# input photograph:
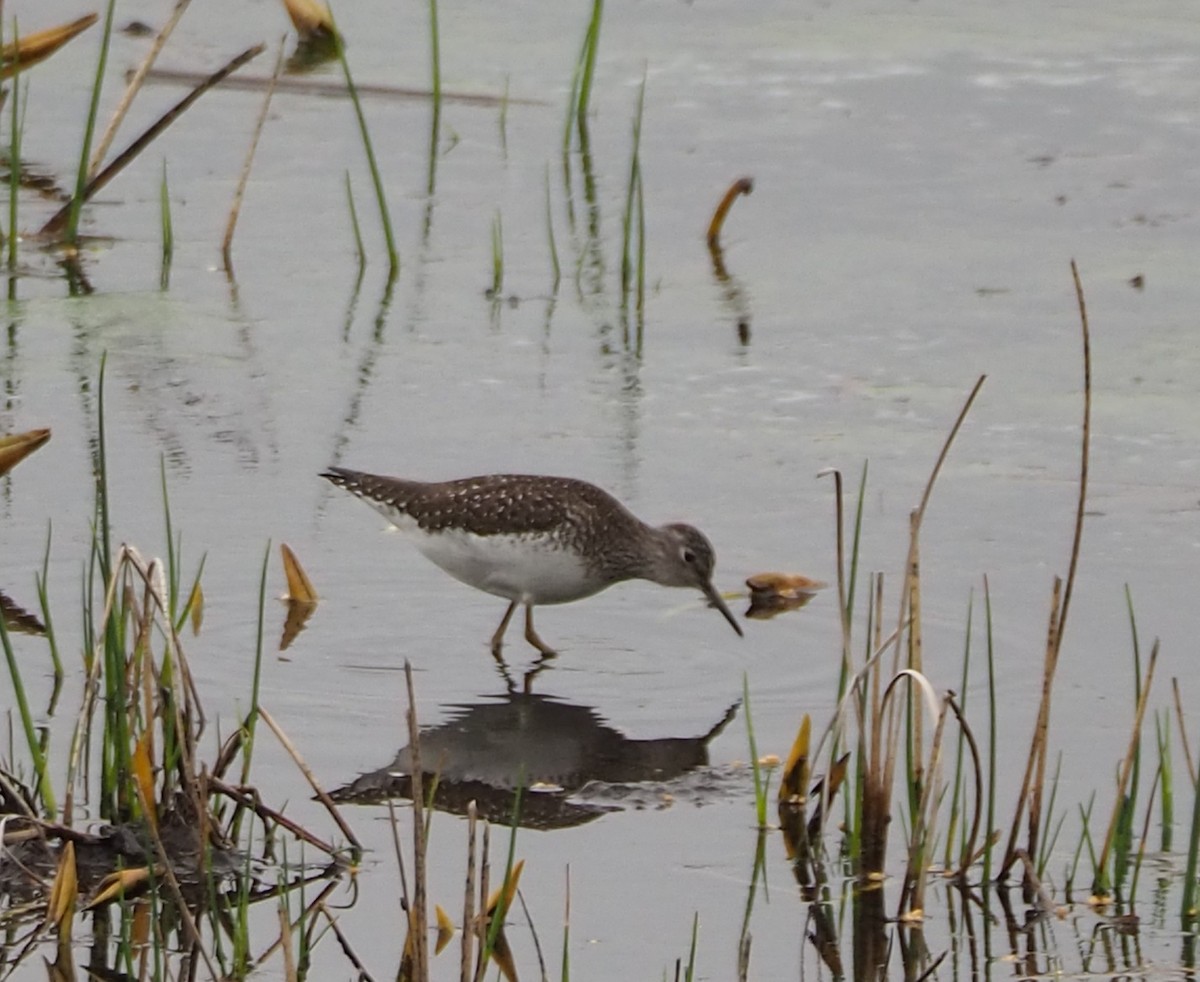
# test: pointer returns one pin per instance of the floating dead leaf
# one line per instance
(121, 883)
(445, 929)
(299, 586)
(17, 446)
(295, 622)
(312, 20)
(19, 620)
(196, 607)
(60, 905)
(27, 51)
(775, 593)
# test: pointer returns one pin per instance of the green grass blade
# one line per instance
(168, 234)
(376, 178)
(85, 153)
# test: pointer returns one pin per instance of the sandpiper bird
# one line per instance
(536, 540)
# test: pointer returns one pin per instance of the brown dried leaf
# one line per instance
(299, 586)
(794, 780)
(27, 51)
(509, 889)
(17, 446)
(60, 905)
(445, 929)
(312, 20)
(196, 607)
(119, 883)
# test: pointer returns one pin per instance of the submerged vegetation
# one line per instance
(138, 826)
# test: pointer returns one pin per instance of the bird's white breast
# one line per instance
(532, 569)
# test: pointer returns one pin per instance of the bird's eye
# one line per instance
(688, 556)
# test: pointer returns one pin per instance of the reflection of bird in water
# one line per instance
(536, 540)
(485, 751)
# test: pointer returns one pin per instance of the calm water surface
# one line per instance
(923, 175)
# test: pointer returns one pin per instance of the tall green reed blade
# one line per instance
(1162, 729)
(956, 792)
(503, 121)
(359, 251)
(497, 257)
(992, 745)
(550, 238)
(1189, 902)
(591, 45)
(760, 783)
(435, 67)
(376, 178)
(635, 177)
(116, 768)
(168, 234)
(41, 778)
(565, 974)
(435, 57)
(497, 919)
(641, 259)
(256, 684)
(41, 582)
(85, 153)
(14, 159)
(690, 972)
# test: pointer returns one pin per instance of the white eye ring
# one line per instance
(687, 555)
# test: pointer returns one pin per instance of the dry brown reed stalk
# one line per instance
(1183, 737)
(468, 919)
(244, 177)
(347, 948)
(1135, 739)
(418, 915)
(304, 915)
(248, 798)
(309, 776)
(1032, 790)
(842, 588)
(57, 222)
(915, 650)
(319, 88)
(743, 185)
(481, 918)
(886, 718)
(133, 86)
(285, 944)
(969, 853)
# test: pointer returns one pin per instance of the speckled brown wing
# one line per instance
(498, 504)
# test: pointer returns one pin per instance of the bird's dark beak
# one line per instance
(714, 598)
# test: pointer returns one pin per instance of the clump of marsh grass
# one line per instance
(177, 848)
(897, 754)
